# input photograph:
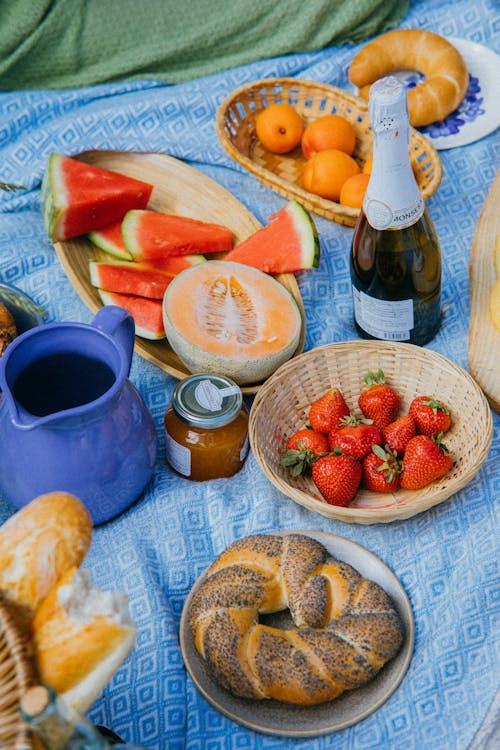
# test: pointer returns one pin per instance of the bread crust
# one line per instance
(446, 76)
(38, 544)
(347, 627)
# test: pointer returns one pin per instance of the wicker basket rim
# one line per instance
(420, 501)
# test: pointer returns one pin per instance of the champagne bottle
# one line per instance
(59, 727)
(395, 255)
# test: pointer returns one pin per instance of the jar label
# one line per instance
(178, 456)
(383, 319)
(210, 397)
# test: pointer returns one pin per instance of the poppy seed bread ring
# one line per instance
(346, 626)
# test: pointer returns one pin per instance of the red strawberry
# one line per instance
(381, 470)
(430, 415)
(308, 440)
(327, 411)
(355, 437)
(302, 449)
(397, 434)
(425, 460)
(337, 477)
(379, 402)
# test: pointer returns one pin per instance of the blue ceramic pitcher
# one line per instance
(70, 420)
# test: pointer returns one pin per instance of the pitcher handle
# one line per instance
(118, 323)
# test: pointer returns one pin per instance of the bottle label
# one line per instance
(381, 216)
(383, 319)
(178, 456)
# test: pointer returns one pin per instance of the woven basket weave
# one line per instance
(235, 125)
(281, 407)
(16, 676)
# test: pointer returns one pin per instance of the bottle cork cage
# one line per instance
(235, 124)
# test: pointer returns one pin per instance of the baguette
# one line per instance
(38, 544)
(81, 635)
(412, 49)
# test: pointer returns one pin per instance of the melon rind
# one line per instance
(53, 196)
(308, 233)
(243, 370)
(109, 247)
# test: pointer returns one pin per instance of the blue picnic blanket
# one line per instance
(446, 558)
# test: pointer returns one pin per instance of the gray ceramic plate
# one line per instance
(23, 309)
(272, 717)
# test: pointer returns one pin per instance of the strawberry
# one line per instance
(337, 477)
(302, 449)
(430, 415)
(355, 437)
(425, 460)
(397, 434)
(379, 402)
(381, 470)
(327, 411)
(308, 440)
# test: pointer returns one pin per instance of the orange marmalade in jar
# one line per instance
(206, 428)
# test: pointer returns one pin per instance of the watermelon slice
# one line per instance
(110, 240)
(287, 244)
(147, 313)
(78, 198)
(151, 235)
(176, 263)
(130, 278)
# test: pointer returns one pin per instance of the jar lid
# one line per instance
(207, 401)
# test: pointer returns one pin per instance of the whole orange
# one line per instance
(328, 131)
(326, 171)
(279, 128)
(367, 166)
(354, 189)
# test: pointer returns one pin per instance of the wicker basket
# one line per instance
(235, 124)
(16, 676)
(281, 407)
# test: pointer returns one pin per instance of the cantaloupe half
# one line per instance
(231, 319)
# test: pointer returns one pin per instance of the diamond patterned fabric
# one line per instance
(446, 558)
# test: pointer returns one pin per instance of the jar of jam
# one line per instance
(206, 428)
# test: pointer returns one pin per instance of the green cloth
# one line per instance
(71, 43)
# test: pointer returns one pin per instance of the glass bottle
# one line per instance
(59, 727)
(395, 254)
(206, 428)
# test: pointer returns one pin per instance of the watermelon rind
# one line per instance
(308, 233)
(111, 248)
(52, 186)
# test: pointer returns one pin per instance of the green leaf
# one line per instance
(9, 187)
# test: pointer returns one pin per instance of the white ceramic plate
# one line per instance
(479, 112)
(282, 719)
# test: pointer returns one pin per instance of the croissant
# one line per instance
(8, 330)
(446, 76)
(346, 626)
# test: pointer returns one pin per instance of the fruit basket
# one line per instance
(235, 124)
(16, 675)
(281, 407)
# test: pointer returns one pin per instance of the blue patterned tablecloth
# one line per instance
(446, 558)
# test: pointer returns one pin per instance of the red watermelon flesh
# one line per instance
(147, 313)
(176, 263)
(130, 278)
(78, 198)
(151, 235)
(287, 244)
(110, 240)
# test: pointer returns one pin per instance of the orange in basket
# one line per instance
(326, 171)
(279, 128)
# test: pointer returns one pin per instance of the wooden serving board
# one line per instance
(178, 189)
(484, 338)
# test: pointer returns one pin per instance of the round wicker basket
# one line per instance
(281, 407)
(16, 676)
(235, 125)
